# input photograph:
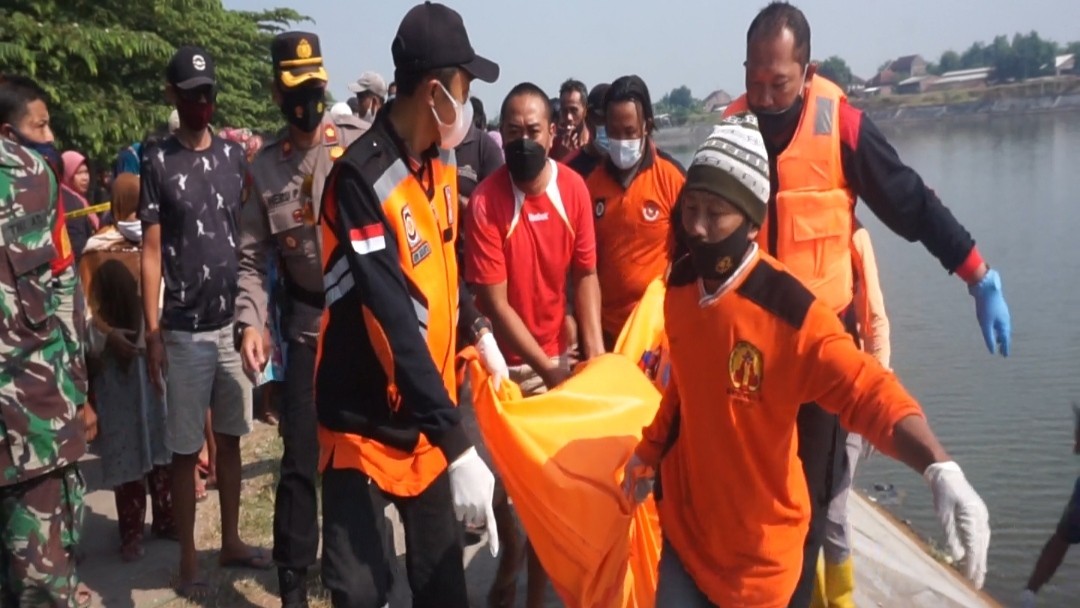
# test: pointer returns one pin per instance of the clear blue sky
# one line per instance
(699, 43)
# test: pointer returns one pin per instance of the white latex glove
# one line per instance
(472, 486)
(1027, 599)
(492, 359)
(964, 516)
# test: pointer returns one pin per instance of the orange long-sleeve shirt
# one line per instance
(734, 500)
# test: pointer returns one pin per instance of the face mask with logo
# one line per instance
(194, 114)
(453, 133)
(602, 142)
(625, 153)
(303, 107)
(525, 159)
(717, 261)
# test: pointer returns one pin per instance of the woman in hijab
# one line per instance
(130, 414)
(74, 184)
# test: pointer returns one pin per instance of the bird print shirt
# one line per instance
(195, 196)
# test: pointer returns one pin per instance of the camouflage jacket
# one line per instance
(42, 374)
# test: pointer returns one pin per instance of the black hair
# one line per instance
(775, 18)
(16, 93)
(525, 88)
(479, 116)
(630, 88)
(408, 82)
(574, 86)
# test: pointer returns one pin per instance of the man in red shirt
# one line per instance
(528, 228)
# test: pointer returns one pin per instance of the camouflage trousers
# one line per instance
(40, 520)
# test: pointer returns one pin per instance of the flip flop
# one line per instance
(194, 591)
(200, 491)
(84, 596)
(258, 559)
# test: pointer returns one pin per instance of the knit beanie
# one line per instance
(733, 164)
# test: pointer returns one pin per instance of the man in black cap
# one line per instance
(278, 222)
(385, 382)
(190, 199)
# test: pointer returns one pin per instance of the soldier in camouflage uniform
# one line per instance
(42, 383)
(278, 222)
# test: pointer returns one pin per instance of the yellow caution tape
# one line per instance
(100, 208)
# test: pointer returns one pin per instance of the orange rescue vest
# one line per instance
(425, 229)
(815, 208)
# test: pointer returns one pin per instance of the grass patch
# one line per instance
(244, 588)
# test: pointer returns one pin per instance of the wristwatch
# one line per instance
(479, 325)
(238, 334)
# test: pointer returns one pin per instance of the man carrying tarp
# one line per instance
(734, 505)
(824, 154)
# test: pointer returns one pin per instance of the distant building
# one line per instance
(914, 85)
(857, 86)
(1065, 64)
(975, 78)
(717, 101)
(909, 66)
(884, 78)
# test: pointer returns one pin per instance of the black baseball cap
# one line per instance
(190, 67)
(433, 36)
(297, 58)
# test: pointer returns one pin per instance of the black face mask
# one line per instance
(779, 127)
(525, 159)
(717, 261)
(303, 107)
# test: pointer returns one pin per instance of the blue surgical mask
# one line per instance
(602, 139)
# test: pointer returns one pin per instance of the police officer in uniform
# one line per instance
(277, 226)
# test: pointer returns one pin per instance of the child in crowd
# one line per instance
(130, 414)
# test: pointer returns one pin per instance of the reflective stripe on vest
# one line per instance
(814, 206)
(425, 230)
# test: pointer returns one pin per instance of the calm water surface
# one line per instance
(1015, 184)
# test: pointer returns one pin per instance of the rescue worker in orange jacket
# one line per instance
(824, 155)
(734, 506)
(385, 386)
(633, 190)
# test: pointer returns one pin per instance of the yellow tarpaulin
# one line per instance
(561, 457)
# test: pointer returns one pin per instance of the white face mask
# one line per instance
(368, 116)
(131, 230)
(452, 134)
(625, 153)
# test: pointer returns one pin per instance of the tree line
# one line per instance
(1024, 56)
(102, 63)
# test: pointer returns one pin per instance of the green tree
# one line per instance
(103, 62)
(950, 60)
(974, 57)
(836, 69)
(681, 98)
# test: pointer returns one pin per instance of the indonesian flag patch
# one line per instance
(368, 239)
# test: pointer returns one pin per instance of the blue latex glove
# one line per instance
(992, 312)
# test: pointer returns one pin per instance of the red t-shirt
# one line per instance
(531, 242)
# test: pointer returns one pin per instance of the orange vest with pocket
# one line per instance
(815, 207)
